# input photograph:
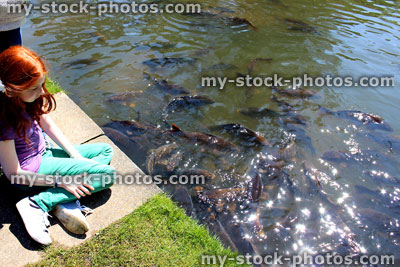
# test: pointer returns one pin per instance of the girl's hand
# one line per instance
(78, 187)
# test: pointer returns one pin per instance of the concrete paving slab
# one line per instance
(72, 121)
(16, 247)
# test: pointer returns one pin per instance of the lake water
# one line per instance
(349, 211)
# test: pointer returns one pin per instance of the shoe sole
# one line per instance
(71, 222)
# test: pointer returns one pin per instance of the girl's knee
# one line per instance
(102, 181)
(107, 152)
(109, 170)
(109, 177)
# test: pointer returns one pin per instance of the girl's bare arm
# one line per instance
(57, 136)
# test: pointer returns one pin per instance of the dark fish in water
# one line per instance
(217, 229)
(209, 140)
(381, 176)
(287, 153)
(171, 88)
(310, 29)
(265, 162)
(292, 117)
(368, 157)
(214, 195)
(384, 225)
(231, 20)
(259, 112)
(202, 52)
(168, 62)
(299, 135)
(236, 233)
(298, 92)
(345, 238)
(117, 137)
(371, 121)
(223, 9)
(161, 45)
(99, 36)
(243, 133)
(129, 128)
(222, 66)
(255, 187)
(297, 22)
(167, 87)
(375, 197)
(197, 172)
(285, 118)
(269, 166)
(251, 66)
(126, 144)
(80, 63)
(278, 2)
(125, 98)
(377, 218)
(250, 91)
(182, 197)
(318, 177)
(156, 155)
(337, 156)
(143, 135)
(208, 13)
(187, 102)
(254, 231)
(230, 233)
(239, 21)
(134, 128)
(222, 195)
(301, 26)
(390, 142)
(282, 104)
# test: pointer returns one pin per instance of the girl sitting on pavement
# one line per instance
(24, 106)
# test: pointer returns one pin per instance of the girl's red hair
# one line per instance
(20, 69)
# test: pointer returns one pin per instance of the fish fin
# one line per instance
(175, 128)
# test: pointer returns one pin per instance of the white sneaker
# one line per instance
(70, 215)
(35, 220)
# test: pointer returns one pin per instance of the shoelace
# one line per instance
(85, 210)
(46, 215)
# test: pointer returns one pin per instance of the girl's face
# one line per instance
(34, 92)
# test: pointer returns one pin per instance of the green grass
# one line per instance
(156, 234)
(52, 86)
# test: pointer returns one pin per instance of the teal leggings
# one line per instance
(56, 161)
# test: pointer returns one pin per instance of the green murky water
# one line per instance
(349, 38)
